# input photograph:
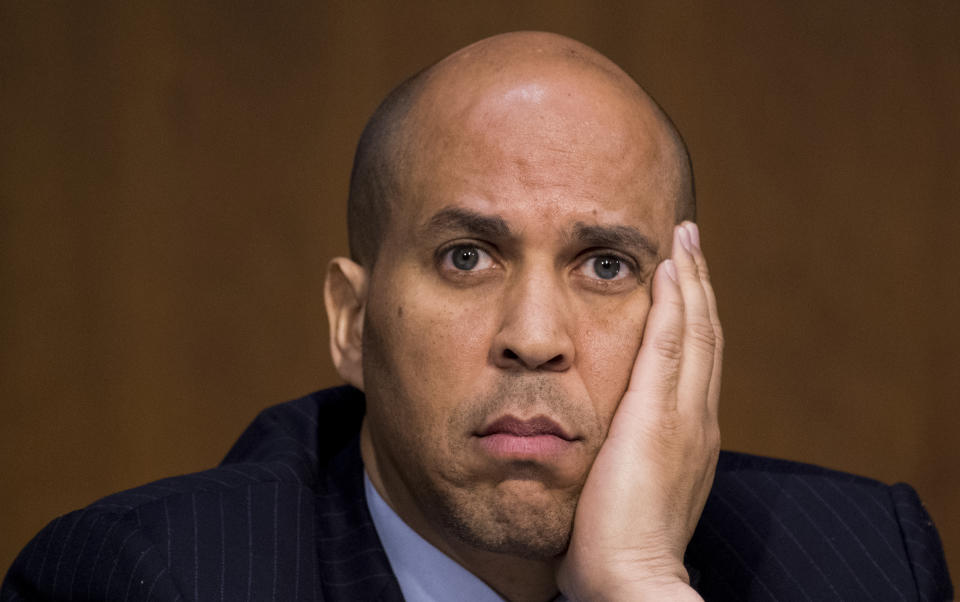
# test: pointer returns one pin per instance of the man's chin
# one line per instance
(518, 518)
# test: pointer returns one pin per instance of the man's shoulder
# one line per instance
(733, 466)
(780, 526)
(287, 444)
(293, 467)
(313, 428)
(788, 489)
(286, 447)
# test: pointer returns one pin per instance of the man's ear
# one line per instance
(345, 295)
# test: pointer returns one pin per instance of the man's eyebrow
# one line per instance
(477, 224)
(616, 237)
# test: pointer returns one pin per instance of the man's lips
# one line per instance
(532, 427)
(538, 438)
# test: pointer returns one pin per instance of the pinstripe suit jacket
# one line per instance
(284, 518)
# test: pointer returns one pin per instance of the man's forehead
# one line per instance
(520, 118)
(547, 137)
(560, 186)
(542, 140)
(533, 195)
(549, 100)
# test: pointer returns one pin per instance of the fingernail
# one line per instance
(694, 232)
(671, 269)
(684, 237)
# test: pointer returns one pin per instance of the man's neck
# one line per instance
(516, 579)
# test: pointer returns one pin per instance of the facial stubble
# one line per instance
(520, 511)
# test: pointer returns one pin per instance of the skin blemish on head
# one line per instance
(399, 311)
(529, 93)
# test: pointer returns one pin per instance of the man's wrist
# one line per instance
(633, 583)
(641, 592)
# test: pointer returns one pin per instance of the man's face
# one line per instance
(507, 304)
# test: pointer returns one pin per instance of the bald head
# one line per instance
(493, 88)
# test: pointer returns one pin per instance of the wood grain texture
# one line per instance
(173, 179)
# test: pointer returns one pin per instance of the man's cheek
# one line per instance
(608, 346)
(443, 336)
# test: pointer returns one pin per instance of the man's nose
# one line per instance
(534, 330)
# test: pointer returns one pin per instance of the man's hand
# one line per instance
(647, 487)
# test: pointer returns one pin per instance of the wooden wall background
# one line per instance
(172, 183)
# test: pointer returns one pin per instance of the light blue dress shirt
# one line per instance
(425, 573)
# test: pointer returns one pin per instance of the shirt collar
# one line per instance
(425, 573)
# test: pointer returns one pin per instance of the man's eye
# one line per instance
(606, 267)
(467, 258)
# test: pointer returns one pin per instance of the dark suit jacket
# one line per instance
(284, 518)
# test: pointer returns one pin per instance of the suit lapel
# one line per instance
(353, 565)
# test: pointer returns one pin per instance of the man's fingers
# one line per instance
(713, 397)
(657, 367)
(679, 359)
(699, 336)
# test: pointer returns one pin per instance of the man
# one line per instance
(529, 316)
